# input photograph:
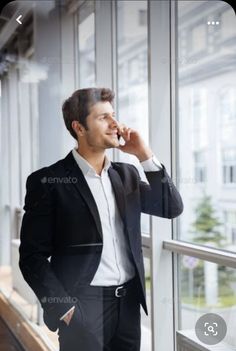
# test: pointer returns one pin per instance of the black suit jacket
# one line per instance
(61, 233)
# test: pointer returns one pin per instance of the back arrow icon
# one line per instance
(18, 19)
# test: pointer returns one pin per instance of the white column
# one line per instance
(4, 179)
(211, 283)
(160, 125)
(48, 56)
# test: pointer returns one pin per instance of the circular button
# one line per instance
(210, 328)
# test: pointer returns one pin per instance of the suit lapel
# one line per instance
(83, 188)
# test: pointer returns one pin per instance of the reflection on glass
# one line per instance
(132, 57)
(86, 35)
(133, 99)
(207, 121)
(207, 288)
(132, 66)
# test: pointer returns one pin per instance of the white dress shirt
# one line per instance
(116, 265)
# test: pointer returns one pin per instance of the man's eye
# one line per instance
(106, 116)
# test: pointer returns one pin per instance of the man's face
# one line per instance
(102, 127)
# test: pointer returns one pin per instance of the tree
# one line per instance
(206, 231)
(205, 226)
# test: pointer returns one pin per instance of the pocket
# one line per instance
(92, 307)
(77, 318)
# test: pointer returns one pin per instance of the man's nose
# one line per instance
(113, 122)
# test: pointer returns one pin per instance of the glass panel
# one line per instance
(132, 57)
(86, 35)
(206, 69)
(132, 101)
(206, 287)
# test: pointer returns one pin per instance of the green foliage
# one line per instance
(206, 224)
(226, 276)
(206, 231)
(224, 301)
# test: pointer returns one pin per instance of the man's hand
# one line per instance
(134, 144)
(68, 317)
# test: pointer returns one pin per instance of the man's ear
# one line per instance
(78, 128)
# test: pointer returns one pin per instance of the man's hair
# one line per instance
(77, 106)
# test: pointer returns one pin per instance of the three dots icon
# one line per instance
(213, 23)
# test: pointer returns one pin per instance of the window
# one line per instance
(228, 24)
(132, 94)
(230, 227)
(132, 104)
(199, 117)
(143, 17)
(207, 288)
(132, 54)
(200, 167)
(234, 236)
(229, 166)
(206, 141)
(198, 38)
(228, 104)
(86, 45)
(134, 70)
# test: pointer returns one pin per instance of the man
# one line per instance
(84, 212)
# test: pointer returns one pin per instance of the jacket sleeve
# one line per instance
(35, 248)
(160, 197)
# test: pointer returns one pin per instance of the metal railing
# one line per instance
(207, 253)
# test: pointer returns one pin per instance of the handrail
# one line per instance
(207, 253)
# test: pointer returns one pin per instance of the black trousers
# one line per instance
(102, 321)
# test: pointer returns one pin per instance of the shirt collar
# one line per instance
(85, 166)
